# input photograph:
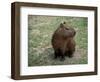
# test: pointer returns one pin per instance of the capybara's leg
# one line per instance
(70, 54)
(66, 53)
(62, 55)
(56, 54)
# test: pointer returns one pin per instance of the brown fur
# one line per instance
(63, 41)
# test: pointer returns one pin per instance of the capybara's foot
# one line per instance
(55, 57)
(70, 55)
(62, 58)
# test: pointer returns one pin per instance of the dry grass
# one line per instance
(40, 30)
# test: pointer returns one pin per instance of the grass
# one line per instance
(40, 30)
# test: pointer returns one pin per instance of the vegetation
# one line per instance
(40, 30)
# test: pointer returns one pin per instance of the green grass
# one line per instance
(40, 30)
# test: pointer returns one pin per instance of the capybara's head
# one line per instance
(68, 29)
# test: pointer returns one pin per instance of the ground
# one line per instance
(40, 30)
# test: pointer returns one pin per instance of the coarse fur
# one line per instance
(63, 41)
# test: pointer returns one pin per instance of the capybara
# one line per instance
(63, 41)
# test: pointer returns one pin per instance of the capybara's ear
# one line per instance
(64, 22)
(61, 25)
